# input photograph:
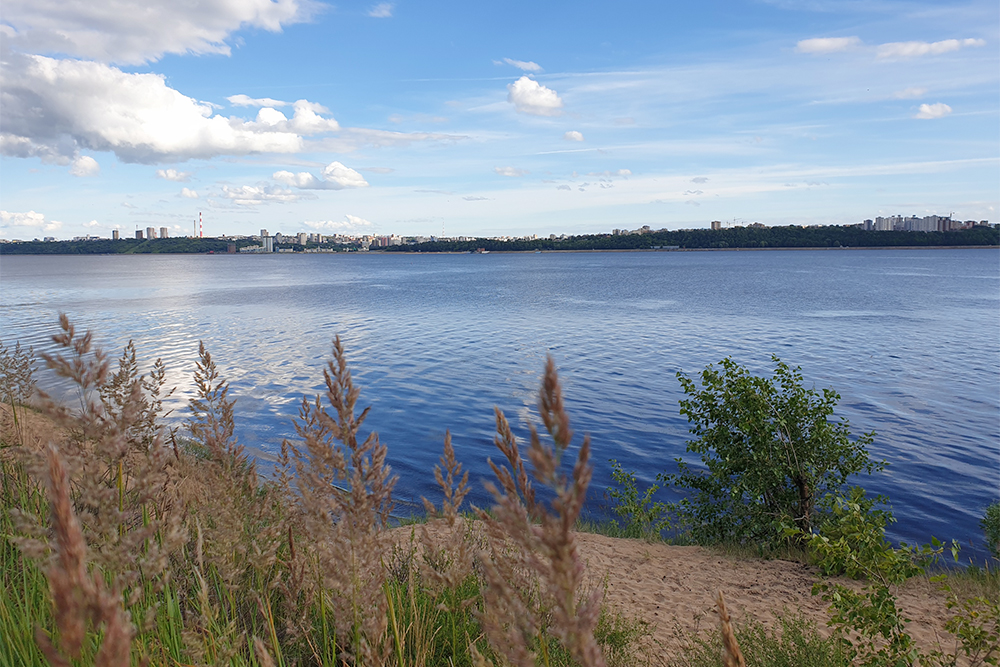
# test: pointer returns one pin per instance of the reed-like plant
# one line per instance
(533, 571)
(344, 500)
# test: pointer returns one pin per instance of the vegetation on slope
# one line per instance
(126, 542)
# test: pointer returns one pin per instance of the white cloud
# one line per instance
(190, 194)
(911, 93)
(573, 135)
(138, 31)
(915, 49)
(700, 179)
(474, 198)
(335, 176)
(563, 187)
(252, 195)
(513, 172)
(523, 65)
(620, 173)
(29, 219)
(85, 165)
(530, 97)
(827, 44)
(382, 10)
(174, 175)
(244, 101)
(91, 224)
(931, 111)
(54, 108)
(352, 222)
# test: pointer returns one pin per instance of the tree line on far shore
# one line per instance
(791, 236)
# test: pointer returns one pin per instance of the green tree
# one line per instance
(770, 453)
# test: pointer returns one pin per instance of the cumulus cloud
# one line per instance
(254, 195)
(931, 111)
(85, 165)
(700, 179)
(915, 49)
(911, 93)
(573, 135)
(382, 10)
(513, 172)
(29, 219)
(54, 108)
(189, 194)
(530, 97)
(133, 32)
(334, 176)
(523, 65)
(174, 175)
(351, 223)
(245, 101)
(563, 187)
(827, 44)
(693, 192)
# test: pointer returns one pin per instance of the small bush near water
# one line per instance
(774, 477)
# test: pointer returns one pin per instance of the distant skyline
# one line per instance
(483, 120)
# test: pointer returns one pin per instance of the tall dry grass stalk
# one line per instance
(533, 571)
(343, 502)
(120, 490)
(732, 656)
(81, 597)
(447, 556)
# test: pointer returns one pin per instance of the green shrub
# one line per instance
(642, 516)
(991, 528)
(770, 453)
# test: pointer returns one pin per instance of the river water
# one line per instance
(909, 338)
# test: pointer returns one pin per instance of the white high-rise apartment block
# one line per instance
(163, 232)
(150, 232)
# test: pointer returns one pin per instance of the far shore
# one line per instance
(516, 252)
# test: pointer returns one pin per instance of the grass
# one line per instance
(795, 643)
(123, 542)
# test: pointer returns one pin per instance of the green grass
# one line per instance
(797, 643)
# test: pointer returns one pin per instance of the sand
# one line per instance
(673, 588)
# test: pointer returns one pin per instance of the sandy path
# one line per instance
(673, 588)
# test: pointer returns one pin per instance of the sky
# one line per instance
(487, 119)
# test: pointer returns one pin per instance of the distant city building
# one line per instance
(150, 233)
(268, 243)
(163, 232)
(263, 233)
(115, 235)
(303, 238)
(138, 234)
(716, 225)
(231, 248)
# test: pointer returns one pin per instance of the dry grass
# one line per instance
(164, 546)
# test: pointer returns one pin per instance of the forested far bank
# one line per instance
(738, 237)
(689, 239)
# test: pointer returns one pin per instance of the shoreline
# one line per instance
(511, 252)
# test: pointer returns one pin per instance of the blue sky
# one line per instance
(492, 118)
